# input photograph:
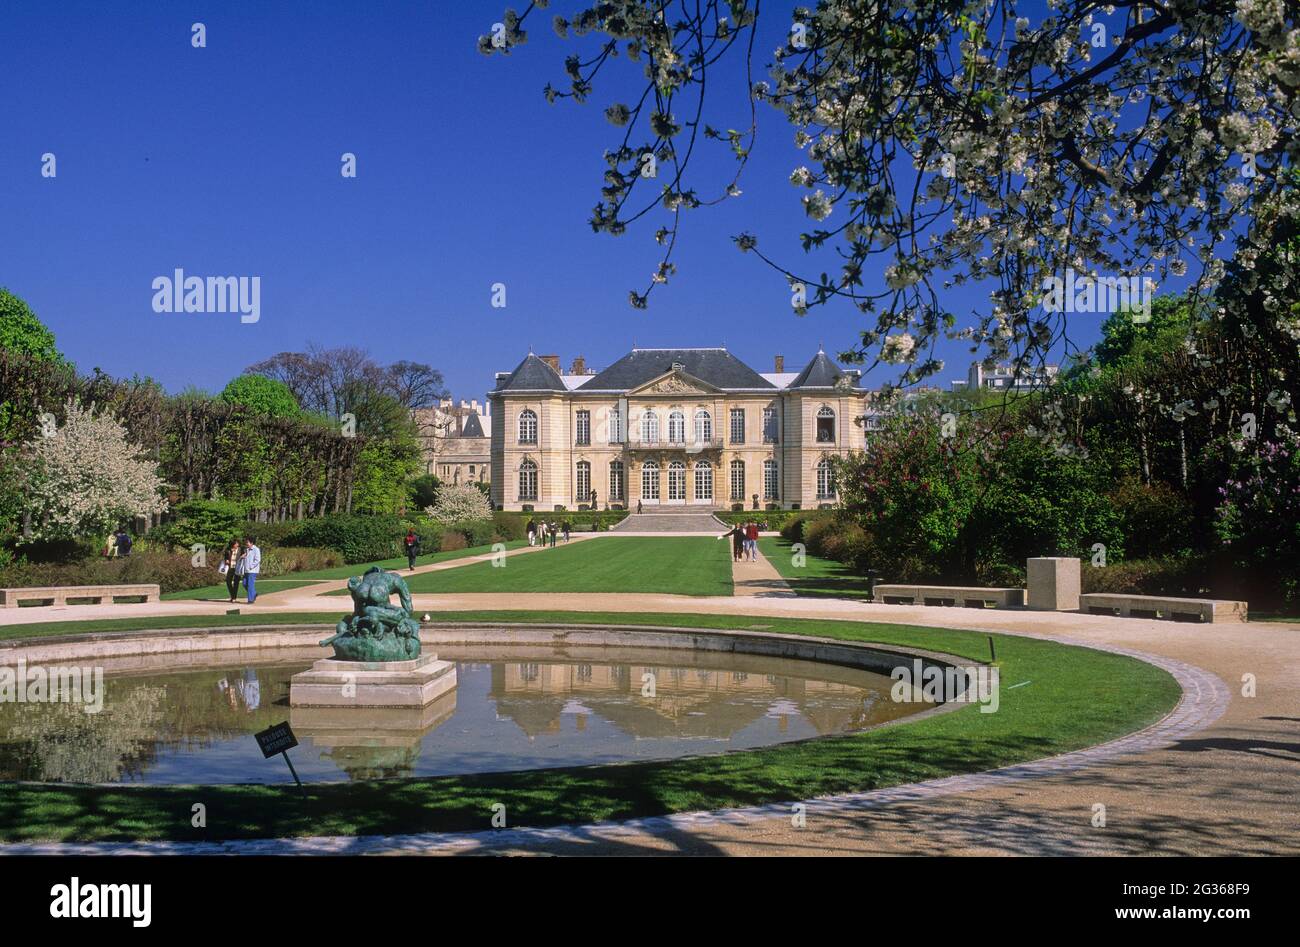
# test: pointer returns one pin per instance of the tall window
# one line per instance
(703, 480)
(825, 425)
(825, 480)
(677, 480)
(769, 425)
(737, 425)
(676, 428)
(584, 427)
(584, 481)
(650, 428)
(615, 426)
(650, 480)
(703, 427)
(737, 480)
(527, 427)
(616, 484)
(528, 480)
(771, 484)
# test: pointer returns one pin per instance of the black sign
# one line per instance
(276, 739)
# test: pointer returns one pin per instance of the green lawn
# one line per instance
(681, 565)
(296, 579)
(816, 577)
(1054, 698)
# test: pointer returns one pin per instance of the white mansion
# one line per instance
(672, 427)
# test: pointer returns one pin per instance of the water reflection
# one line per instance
(542, 707)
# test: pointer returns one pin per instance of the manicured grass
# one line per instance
(817, 576)
(297, 579)
(1068, 698)
(219, 593)
(680, 565)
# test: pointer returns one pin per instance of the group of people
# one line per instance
(241, 562)
(540, 533)
(744, 541)
(117, 544)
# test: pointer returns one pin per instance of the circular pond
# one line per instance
(190, 718)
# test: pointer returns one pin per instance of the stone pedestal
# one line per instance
(333, 683)
(1053, 584)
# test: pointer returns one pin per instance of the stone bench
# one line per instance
(84, 594)
(1160, 606)
(969, 596)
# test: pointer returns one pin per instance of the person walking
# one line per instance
(638, 506)
(110, 546)
(566, 527)
(751, 540)
(412, 545)
(230, 568)
(552, 530)
(123, 542)
(532, 532)
(251, 560)
(737, 534)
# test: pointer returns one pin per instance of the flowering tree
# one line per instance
(955, 140)
(459, 502)
(86, 477)
(1258, 518)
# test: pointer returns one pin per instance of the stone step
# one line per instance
(687, 522)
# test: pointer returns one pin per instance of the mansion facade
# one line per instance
(672, 427)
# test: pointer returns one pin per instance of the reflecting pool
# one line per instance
(191, 719)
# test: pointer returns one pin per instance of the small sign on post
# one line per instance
(280, 739)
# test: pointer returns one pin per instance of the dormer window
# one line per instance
(826, 425)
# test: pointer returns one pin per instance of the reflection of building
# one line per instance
(1005, 378)
(456, 441)
(688, 702)
(665, 427)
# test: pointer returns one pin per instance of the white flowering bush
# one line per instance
(457, 503)
(88, 478)
(952, 142)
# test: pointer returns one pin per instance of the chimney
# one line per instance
(474, 405)
(579, 366)
(780, 364)
(553, 361)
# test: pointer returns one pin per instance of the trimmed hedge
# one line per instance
(580, 521)
(359, 538)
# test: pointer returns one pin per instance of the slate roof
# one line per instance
(717, 367)
(821, 372)
(532, 374)
(473, 427)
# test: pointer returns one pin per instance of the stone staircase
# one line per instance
(671, 519)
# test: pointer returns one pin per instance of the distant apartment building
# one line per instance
(456, 441)
(1005, 378)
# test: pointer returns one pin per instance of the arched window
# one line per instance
(825, 480)
(676, 428)
(826, 425)
(703, 427)
(583, 483)
(616, 484)
(650, 428)
(650, 480)
(703, 480)
(737, 480)
(677, 480)
(527, 481)
(771, 482)
(527, 427)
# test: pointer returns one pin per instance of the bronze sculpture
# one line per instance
(377, 630)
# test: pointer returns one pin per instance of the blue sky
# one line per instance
(225, 161)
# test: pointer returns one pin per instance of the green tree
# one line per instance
(21, 331)
(261, 395)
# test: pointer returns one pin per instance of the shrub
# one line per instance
(282, 560)
(476, 532)
(459, 502)
(210, 522)
(1155, 519)
(173, 572)
(510, 527)
(452, 540)
(358, 538)
(1170, 575)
